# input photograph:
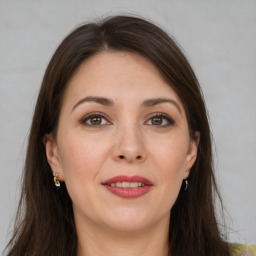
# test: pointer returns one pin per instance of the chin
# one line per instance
(128, 220)
(126, 226)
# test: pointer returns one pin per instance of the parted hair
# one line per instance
(45, 223)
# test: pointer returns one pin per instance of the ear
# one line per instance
(52, 155)
(192, 152)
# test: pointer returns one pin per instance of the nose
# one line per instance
(129, 146)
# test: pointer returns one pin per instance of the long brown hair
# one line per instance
(45, 221)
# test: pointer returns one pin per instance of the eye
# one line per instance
(95, 120)
(160, 120)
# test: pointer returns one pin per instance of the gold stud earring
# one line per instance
(56, 181)
(186, 180)
(186, 183)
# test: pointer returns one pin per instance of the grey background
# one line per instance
(219, 38)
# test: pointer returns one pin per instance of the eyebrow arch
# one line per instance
(108, 102)
(100, 100)
(156, 101)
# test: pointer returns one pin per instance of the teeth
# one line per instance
(127, 184)
(119, 184)
(133, 185)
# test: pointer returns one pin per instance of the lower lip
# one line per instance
(128, 192)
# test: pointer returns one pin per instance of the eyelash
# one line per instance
(165, 117)
(88, 117)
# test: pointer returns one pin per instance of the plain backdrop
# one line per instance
(219, 39)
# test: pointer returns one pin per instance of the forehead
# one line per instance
(118, 75)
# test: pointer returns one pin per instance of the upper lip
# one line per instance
(123, 178)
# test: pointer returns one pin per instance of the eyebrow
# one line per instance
(108, 102)
(100, 100)
(156, 101)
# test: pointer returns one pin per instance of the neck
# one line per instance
(98, 241)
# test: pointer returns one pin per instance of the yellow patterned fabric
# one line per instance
(243, 250)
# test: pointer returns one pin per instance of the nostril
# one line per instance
(123, 157)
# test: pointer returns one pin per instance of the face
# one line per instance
(122, 144)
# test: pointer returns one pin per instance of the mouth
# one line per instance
(128, 186)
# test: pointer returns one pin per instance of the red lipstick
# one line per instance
(128, 186)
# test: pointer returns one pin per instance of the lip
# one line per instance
(128, 192)
(123, 178)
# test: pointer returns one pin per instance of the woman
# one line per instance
(119, 157)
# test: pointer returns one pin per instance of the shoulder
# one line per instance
(243, 250)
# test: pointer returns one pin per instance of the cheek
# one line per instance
(171, 155)
(81, 159)
(170, 159)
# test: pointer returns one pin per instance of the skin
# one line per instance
(128, 140)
